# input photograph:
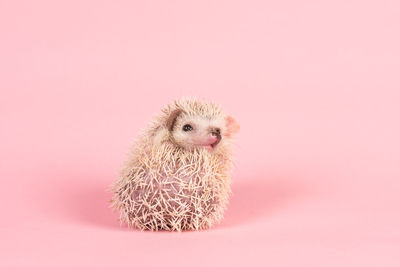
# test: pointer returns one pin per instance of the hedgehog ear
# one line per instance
(172, 119)
(232, 126)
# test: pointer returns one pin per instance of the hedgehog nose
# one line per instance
(216, 132)
(216, 135)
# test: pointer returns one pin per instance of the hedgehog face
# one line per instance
(195, 131)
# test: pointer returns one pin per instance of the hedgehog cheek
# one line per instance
(232, 127)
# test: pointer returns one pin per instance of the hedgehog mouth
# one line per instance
(210, 146)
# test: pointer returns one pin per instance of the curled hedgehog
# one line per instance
(177, 175)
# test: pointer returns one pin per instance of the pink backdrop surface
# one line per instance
(314, 84)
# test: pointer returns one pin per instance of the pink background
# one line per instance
(314, 84)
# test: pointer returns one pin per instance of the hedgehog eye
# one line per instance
(187, 127)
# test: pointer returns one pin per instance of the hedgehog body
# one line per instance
(167, 186)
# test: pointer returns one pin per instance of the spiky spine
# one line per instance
(166, 187)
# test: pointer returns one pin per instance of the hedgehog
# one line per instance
(177, 176)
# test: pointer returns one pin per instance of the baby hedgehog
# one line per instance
(177, 177)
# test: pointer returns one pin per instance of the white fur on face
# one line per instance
(199, 136)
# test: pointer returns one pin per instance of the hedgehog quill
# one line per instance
(177, 176)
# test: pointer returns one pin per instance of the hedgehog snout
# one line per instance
(211, 139)
(215, 136)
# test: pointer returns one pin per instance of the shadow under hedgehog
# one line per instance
(177, 176)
